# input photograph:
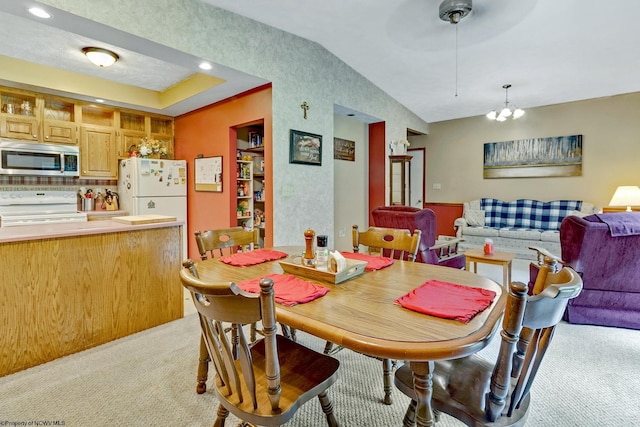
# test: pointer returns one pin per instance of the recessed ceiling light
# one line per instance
(39, 12)
(205, 66)
(99, 100)
(100, 57)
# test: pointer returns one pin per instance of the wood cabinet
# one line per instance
(39, 118)
(100, 130)
(161, 128)
(132, 130)
(400, 180)
(86, 290)
(19, 115)
(59, 124)
(134, 126)
(98, 152)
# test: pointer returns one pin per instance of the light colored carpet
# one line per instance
(590, 377)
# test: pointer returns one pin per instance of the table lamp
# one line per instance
(626, 195)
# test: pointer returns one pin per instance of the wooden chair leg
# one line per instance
(253, 334)
(387, 372)
(409, 419)
(327, 347)
(285, 331)
(203, 368)
(221, 416)
(327, 408)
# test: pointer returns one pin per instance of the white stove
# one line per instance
(39, 207)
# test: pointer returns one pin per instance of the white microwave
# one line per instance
(25, 158)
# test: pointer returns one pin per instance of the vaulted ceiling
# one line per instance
(550, 51)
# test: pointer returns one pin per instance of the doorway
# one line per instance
(417, 176)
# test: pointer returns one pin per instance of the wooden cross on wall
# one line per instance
(305, 107)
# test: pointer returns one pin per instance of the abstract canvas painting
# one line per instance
(534, 157)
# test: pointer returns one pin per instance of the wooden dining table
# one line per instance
(361, 314)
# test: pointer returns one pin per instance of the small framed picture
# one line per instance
(344, 149)
(305, 148)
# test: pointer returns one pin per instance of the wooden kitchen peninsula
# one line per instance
(69, 287)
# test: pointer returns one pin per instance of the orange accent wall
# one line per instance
(377, 164)
(446, 214)
(210, 131)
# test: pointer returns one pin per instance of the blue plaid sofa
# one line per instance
(514, 226)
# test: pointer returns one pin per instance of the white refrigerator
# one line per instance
(154, 186)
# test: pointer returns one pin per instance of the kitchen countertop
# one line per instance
(52, 231)
(102, 212)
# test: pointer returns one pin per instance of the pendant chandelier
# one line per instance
(500, 115)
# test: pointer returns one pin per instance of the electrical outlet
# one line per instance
(342, 232)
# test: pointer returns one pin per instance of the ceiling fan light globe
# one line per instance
(519, 112)
(500, 119)
(491, 115)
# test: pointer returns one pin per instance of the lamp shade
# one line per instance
(100, 57)
(626, 195)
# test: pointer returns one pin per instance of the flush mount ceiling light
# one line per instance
(500, 115)
(453, 11)
(100, 57)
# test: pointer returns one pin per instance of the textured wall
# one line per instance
(299, 70)
(610, 146)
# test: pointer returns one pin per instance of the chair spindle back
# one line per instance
(225, 241)
(391, 242)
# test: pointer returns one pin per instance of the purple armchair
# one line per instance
(609, 266)
(410, 218)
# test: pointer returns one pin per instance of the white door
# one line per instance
(417, 177)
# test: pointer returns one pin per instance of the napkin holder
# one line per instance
(293, 265)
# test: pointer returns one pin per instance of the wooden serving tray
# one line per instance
(293, 265)
(143, 219)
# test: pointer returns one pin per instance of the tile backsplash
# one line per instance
(27, 182)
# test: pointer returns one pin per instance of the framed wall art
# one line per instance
(305, 148)
(534, 157)
(208, 174)
(344, 149)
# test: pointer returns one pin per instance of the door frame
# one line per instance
(416, 166)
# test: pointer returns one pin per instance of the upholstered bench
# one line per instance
(514, 226)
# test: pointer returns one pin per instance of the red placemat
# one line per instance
(373, 262)
(447, 300)
(243, 259)
(288, 289)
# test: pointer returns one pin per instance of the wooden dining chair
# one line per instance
(225, 241)
(479, 392)
(266, 382)
(217, 243)
(389, 242)
(212, 244)
(393, 243)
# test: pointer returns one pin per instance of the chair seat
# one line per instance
(304, 373)
(459, 389)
